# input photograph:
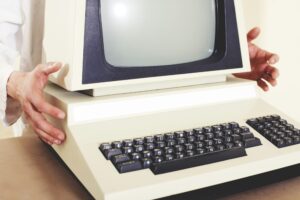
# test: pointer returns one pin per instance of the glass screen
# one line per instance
(143, 33)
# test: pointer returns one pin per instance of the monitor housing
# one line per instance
(75, 35)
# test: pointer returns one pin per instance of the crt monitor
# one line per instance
(120, 46)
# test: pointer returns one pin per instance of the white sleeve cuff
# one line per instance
(10, 109)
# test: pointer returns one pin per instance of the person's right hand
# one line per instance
(27, 88)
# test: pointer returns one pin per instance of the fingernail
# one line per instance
(61, 137)
(57, 142)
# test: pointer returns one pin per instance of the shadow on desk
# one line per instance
(29, 170)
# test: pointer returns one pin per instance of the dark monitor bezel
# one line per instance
(226, 55)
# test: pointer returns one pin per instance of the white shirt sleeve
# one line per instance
(11, 21)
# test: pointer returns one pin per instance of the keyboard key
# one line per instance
(108, 153)
(149, 146)
(138, 141)
(120, 158)
(146, 162)
(136, 156)
(149, 139)
(159, 137)
(117, 144)
(129, 166)
(105, 146)
(252, 142)
(196, 160)
(179, 134)
(127, 150)
(127, 143)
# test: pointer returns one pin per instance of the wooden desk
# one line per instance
(29, 170)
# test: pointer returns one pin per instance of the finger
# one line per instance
(269, 79)
(51, 68)
(44, 107)
(253, 34)
(263, 85)
(47, 138)
(41, 123)
(273, 59)
(272, 71)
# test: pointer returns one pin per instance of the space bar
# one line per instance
(197, 160)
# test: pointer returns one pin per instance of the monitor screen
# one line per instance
(143, 33)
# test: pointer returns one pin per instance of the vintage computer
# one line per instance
(150, 111)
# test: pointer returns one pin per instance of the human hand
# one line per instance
(261, 62)
(27, 88)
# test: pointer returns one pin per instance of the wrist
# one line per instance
(13, 84)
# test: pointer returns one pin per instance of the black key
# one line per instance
(179, 134)
(169, 157)
(158, 159)
(136, 156)
(227, 132)
(146, 154)
(200, 137)
(236, 131)
(127, 150)
(149, 146)
(289, 133)
(209, 135)
(171, 143)
(127, 143)
(191, 139)
(108, 153)
(169, 150)
(238, 143)
(296, 139)
(210, 149)
(197, 160)
(157, 152)
(199, 144)
(149, 139)
(217, 128)
(169, 136)
(227, 139)
(209, 142)
(138, 148)
(207, 129)
(252, 142)
(283, 121)
(120, 158)
(288, 140)
(235, 137)
(225, 126)
(116, 144)
(276, 117)
(220, 147)
(179, 155)
(159, 137)
(200, 151)
(189, 133)
(246, 135)
(198, 131)
(179, 148)
(218, 141)
(180, 140)
(138, 141)
(146, 162)
(160, 144)
(229, 145)
(234, 125)
(219, 134)
(129, 166)
(190, 153)
(279, 143)
(105, 146)
(188, 146)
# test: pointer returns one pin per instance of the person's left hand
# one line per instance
(262, 61)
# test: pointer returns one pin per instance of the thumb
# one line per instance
(51, 68)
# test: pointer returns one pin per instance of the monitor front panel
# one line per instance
(134, 39)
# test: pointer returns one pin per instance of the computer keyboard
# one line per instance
(277, 130)
(178, 150)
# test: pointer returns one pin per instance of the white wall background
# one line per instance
(279, 21)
